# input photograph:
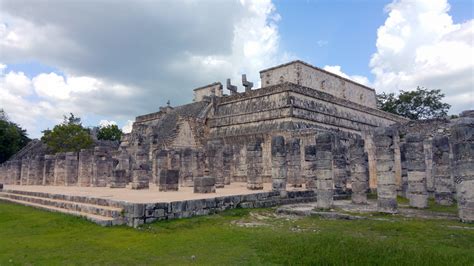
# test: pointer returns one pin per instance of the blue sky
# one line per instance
(127, 59)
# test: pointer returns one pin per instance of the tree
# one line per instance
(109, 132)
(70, 135)
(418, 104)
(12, 137)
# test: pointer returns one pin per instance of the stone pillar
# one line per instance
(48, 170)
(397, 162)
(462, 134)
(60, 169)
(254, 164)
(204, 184)
(324, 170)
(120, 175)
(169, 180)
(404, 172)
(71, 168)
(359, 171)
(186, 172)
(140, 170)
(370, 149)
(227, 160)
(161, 163)
(428, 152)
(35, 170)
(279, 166)
(416, 170)
(385, 163)
(310, 166)
(102, 167)
(295, 176)
(443, 181)
(24, 171)
(340, 166)
(215, 161)
(86, 158)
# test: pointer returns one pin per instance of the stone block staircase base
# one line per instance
(93, 209)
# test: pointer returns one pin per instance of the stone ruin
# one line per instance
(305, 128)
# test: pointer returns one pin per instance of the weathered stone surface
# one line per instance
(204, 184)
(227, 162)
(325, 142)
(60, 169)
(141, 170)
(359, 171)
(295, 175)
(310, 166)
(71, 165)
(341, 170)
(416, 171)
(102, 167)
(386, 182)
(254, 161)
(279, 164)
(463, 156)
(215, 161)
(85, 166)
(442, 172)
(169, 180)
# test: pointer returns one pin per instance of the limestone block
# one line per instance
(71, 165)
(325, 142)
(102, 167)
(295, 176)
(215, 161)
(385, 161)
(48, 170)
(169, 180)
(279, 164)
(85, 166)
(341, 170)
(119, 179)
(359, 171)
(254, 163)
(60, 169)
(416, 171)
(310, 166)
(204, 184)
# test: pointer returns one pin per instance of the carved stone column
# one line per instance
(254, 160)
(385, 166)
(359, 171)
(279, 166)
(416, 170)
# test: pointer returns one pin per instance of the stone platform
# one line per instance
(117, 206)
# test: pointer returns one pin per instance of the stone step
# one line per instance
(98, 219)
(105, 211)
(81, 199)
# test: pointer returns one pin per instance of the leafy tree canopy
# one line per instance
(70, 135)
(418, 104)
(12, 137)
(109, 132)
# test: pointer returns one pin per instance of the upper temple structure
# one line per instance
(305, 128)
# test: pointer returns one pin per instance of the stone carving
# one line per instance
(254, 162)
(324, 170)
(279, 166)
(169, 180)
(416, 171)
(204, 184)
(295, 177)
(247, 84)
(231, 88)
(386, 182)
(442, 175)
(359, 171)
(140, 170)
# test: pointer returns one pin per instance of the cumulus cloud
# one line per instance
(420, 45)
(126, 59)
(338, 71)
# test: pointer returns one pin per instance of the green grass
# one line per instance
(30, 236)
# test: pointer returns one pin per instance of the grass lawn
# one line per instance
(242, 236)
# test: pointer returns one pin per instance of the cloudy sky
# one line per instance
(111, 61)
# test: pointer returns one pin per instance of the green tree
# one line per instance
(70, 135)
(12, 137)
(418, 104)
(109, 132)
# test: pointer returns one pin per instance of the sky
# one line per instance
(108, 62)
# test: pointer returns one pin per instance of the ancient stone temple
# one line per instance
(300, 136)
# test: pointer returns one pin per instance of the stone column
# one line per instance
(35, 170)
(279, 167)
(295, 176)
(385, 163)
(416, 170)
(186, 172)
(24, 171)
(140, 170)
(86, 157)
(324, 170)
(227, 160)
(60, 169)
(340, 166)
(310, 166)
(102, 167)
(404, 172)
(254, 164)
(462, 134)
(204, 184)
(14, 172)
(169, 180)
(428, 152)
(71, 168)
(48, 170)
(359, 171)
(161, 164)
(443, 181)
(120, 175)
(215, 161)
(370, 149)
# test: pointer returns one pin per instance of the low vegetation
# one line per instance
(242, 236)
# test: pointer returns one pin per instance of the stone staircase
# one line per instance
(100, 211)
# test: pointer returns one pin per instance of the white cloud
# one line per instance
(338, 71)
(128, 127)
(420, 45)
(105, 123)
(117, 72)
